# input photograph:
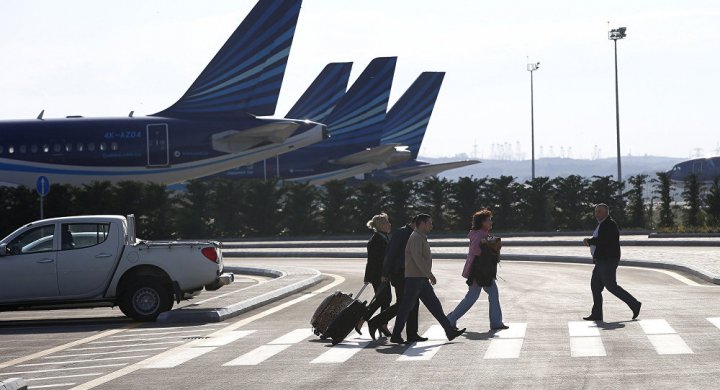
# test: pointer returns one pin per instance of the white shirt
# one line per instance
(595, 234)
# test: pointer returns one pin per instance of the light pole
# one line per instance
(532, 68)
(614, 35)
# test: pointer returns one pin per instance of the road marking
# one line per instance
(679, 277)
(180, 357)
(104, 353)
(47, 378)
(262, 353)
(425, 350)
(224, 339)
(49, 386)
(7, 374)
(664, 338)
(715, 321)
(164, 328)
(507, 343)
(82, 361)
(229, 293)
(141, 340)
(157, 333)
(63, 347)
(258, 355)
(127, 346)
(240, 323)
(343, 351)
(585, 339)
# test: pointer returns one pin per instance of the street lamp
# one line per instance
(532, 68)
(614, 35)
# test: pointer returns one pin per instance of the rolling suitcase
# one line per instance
(346, 320)
(326, 312)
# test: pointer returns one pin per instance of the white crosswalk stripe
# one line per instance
(195, 349)
(585, 339)
(345, 350)
(425, 350)
(265, 352)
(715, 321)
(507, 343)
(663, 338)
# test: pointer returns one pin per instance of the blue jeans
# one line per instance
(472, 296)
(419, 288)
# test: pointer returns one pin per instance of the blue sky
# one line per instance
(99, 58)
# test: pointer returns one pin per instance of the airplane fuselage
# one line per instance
(149, 149)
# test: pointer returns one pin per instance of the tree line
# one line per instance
(222, 208)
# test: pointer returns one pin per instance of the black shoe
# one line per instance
(397, 340)
(372, 328)
(636, 310)
(416, 339)
(452, 334)
(384, 330)
(358, 326)
(592, 318)
(501, 327)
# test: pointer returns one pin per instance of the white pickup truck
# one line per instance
(93, 261)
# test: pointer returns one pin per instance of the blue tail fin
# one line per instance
(408, 119)
(356, 122)
(323, 94)
(245, 76)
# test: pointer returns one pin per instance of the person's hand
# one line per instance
(586, 242)
(384, 279)
(433, 281)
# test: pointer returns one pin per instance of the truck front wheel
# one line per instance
(145, 298)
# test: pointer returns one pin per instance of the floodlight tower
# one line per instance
(532, 68)
(615, 35)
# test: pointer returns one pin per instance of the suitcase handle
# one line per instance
(357, 297)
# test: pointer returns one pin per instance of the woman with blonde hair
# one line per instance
(376, 247)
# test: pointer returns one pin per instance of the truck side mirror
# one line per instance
(3, 250)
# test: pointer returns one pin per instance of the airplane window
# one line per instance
(46, 148)
(102, 146)
(57, 148)
(11, 149)
(68, 147)
(79, 147)
(114, 146)
(34, 148)
(91, 147)
(23, 149)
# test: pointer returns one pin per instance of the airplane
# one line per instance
(214, 126)
(706, 169)
(406, 125)
(355, 122)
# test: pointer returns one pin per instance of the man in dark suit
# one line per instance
(605, 248)
(394, 271)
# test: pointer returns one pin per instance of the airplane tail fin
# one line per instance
(357, 119)
(323, 94)
(245, 76)
(408, 119)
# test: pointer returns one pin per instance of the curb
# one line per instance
(708, 277)
(13, 384)
(236, 309)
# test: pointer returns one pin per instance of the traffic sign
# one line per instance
(43, 185)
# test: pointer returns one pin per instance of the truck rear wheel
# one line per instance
(145, 298)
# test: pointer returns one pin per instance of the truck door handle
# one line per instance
(102, 255)
(45, 261)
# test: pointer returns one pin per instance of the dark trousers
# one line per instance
(383, 297)
(419, 288)
(411, 329)
(604, 277)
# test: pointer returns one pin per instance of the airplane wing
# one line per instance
(236, 141)
(422, 171)
(376, 155)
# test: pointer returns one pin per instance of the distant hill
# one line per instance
(554, 167)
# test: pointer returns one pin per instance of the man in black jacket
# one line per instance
(605, 249)
(394, 271)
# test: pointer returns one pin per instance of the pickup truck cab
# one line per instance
(93, 261)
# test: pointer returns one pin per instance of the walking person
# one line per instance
(394, 272)
(485, 280)
(419, 280)
(376, 248)
(605, 249)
